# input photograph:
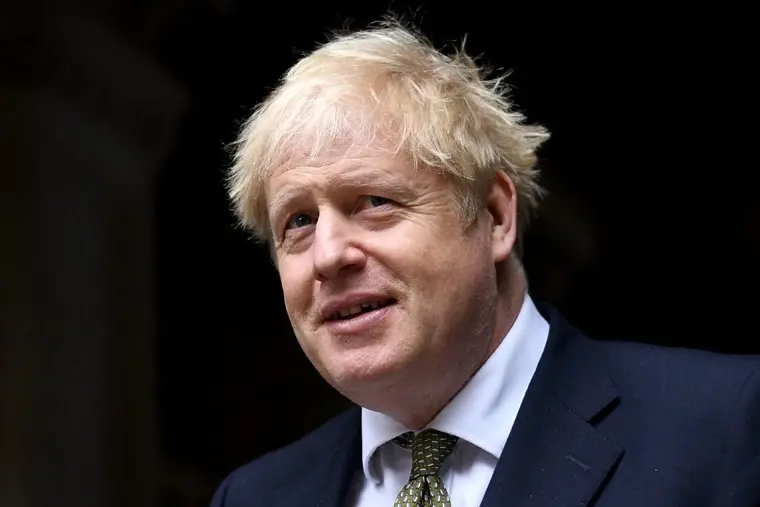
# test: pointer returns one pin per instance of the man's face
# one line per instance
(384, 286)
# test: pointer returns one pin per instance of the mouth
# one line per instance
(360, 309)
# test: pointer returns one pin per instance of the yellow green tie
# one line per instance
(425, 488)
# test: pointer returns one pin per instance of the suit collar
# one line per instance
(344, 462)
(554, 451)
(575, 368)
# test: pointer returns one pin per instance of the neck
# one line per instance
(417, 409)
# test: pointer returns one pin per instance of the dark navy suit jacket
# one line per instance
(603, 424)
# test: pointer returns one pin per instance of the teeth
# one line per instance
(353, 310)
(350, 311)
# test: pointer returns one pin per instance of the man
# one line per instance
(392, 184)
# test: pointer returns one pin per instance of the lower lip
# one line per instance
(360, 323)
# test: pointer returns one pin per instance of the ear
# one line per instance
(501, 204)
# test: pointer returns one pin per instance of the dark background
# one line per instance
(145, 352)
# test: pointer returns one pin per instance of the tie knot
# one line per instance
(430, 448)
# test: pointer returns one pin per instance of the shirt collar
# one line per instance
(483, 412)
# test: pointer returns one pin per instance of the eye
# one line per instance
(299, 220)
(375, 201)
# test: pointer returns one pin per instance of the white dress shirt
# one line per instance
(481, 415)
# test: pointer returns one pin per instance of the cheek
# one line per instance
(296, 289)
(455, 270)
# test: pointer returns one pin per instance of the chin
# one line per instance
(356, 377)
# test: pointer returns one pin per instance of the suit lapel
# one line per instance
(554, 455)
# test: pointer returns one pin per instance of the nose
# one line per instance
(334, 247)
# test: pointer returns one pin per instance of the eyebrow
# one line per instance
(365, 180)
(356, 179)
(282, 199)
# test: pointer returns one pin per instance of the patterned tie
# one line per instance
(425, 488)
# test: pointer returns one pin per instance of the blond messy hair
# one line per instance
(387, 85)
